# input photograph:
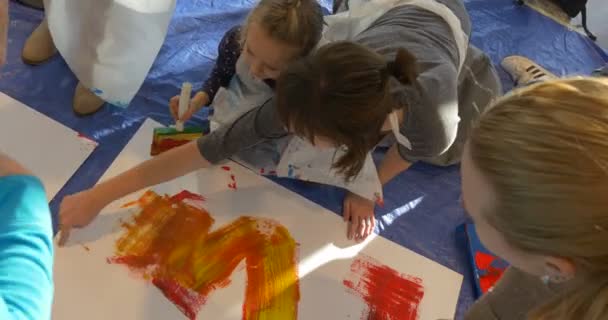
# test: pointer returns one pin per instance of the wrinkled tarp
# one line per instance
(422, 206)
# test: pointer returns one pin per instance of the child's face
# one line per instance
(265, 56)
(478, 198)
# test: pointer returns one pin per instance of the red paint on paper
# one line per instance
(187, 195)
(226, 168)
(388, 294)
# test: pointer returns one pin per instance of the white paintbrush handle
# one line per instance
(184, 103)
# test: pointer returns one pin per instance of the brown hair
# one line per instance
(297, 23)
(544, 150)
(342, 93)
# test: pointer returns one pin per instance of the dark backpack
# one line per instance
(573, 8)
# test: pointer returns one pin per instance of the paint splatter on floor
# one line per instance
(170, 243)
(232, 185)
(489, 270)
(388, 294)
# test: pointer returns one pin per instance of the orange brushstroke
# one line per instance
(169, 243)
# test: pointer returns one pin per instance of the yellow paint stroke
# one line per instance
(169, 243)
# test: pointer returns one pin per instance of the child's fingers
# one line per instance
(353, 227)
(64, 235)
(173, 106)
(186, 116)
(371, 226)
(362, 227)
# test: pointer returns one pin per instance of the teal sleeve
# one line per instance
(26, 250)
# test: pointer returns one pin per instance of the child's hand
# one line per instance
(200, 100)
(77, 211)
(358, 212)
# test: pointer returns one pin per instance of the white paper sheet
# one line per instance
(87, 287)
(52, 151)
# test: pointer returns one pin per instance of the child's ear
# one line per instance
(559, 269)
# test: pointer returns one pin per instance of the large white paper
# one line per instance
(52, 151)
(87, 287)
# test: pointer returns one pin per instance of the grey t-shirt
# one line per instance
(432, 113)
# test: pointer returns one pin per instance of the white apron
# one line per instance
(110, 45)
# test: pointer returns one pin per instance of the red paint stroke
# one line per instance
(388, 294)
(232, 177)
(166, 144)
(187, 301)
(262, 171)
(272, 173)
(170, 243)
(187, 195)
(488, 274)
(226, 168)
(232, 186)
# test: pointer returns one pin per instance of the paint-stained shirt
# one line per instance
(439, 109)
(26, 250)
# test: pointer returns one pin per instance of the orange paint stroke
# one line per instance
(169, 243)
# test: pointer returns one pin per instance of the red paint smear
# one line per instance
(273, 173)
(232, 186)
(226, 168)
(170, 244)
(388, 294)
(232, 177)
(166, 144)
(488, 274)
(187, 301)
(262, 171)
(80, 135)
(187, 195)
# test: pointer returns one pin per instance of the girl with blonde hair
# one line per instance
(534, 180)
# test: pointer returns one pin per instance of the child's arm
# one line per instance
(356, 207)
(256, 125)
(80, 209)
(229, 51)
(26, 249)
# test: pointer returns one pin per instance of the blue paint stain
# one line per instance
(97, 91)
(120, 104)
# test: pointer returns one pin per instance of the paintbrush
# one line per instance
(166, 138)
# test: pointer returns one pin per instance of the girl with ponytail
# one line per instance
(411, 75)
(535, 180)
